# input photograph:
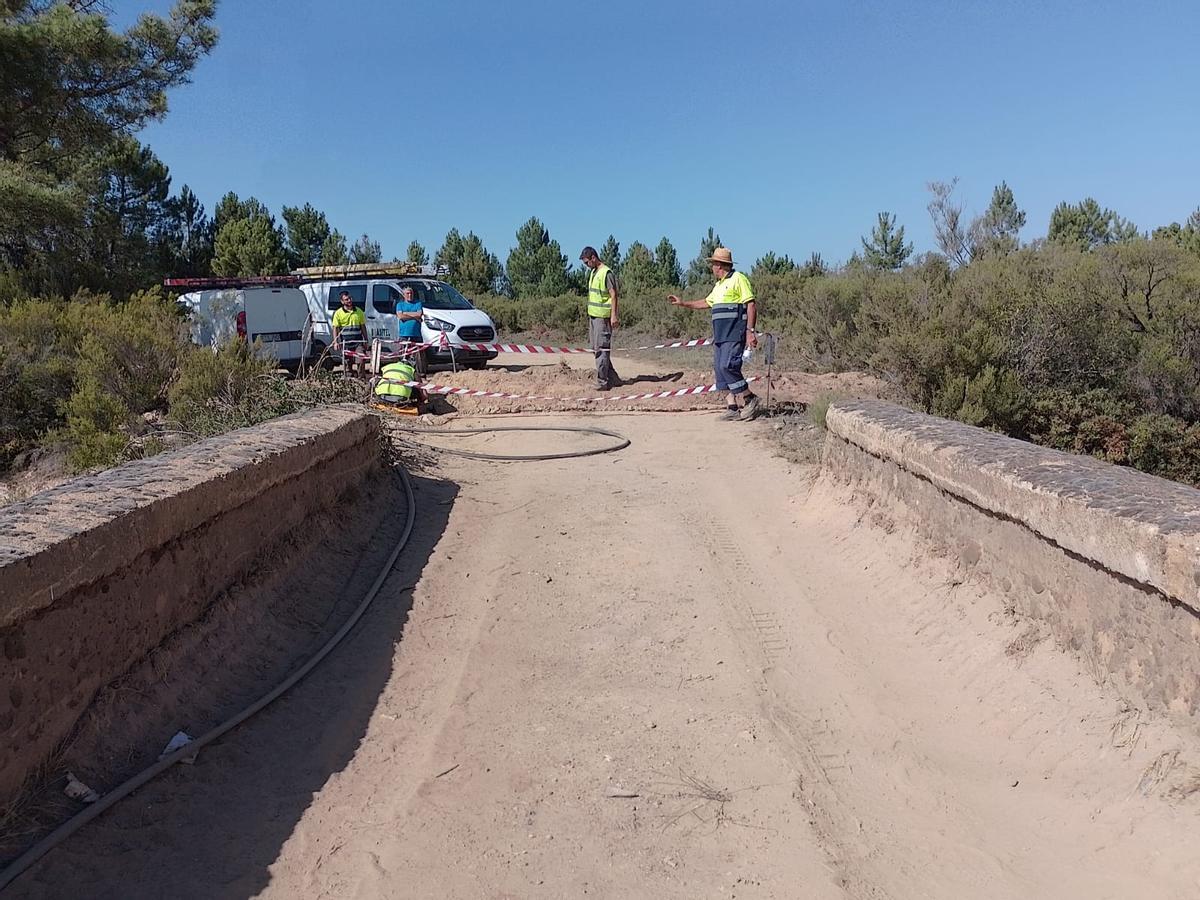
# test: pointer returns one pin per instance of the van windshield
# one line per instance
(437, 295)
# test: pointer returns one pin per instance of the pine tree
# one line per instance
(417, 254)
(1186, 236)
(477, 268)
(610, 254)
(638, 270)
(536, 266)
(451, 252)
(1086, 226)
(700, 270)
(814, 266)
(307, 229)
(230, 208)
(129, 214)
(194, 236)
(770, 264)
(73, 91)
(249, 246)
(667, 261)
(887, 249)
(366, 250)
(334, 251)
(997, 230)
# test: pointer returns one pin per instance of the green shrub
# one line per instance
(234, 388)
(818, 410)
(98, 428)
(1166, 446)
(124, 364)
(227, 389)
(38, 344)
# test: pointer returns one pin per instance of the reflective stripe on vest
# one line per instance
(729, 319)
(599, 303)
(392, 380)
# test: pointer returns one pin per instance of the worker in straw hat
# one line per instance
(733, 316)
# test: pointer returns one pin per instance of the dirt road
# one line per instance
(689, 669)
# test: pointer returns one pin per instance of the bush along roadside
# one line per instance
(1094, 351)
(109, 382)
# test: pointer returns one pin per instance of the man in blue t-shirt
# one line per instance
(410, 312)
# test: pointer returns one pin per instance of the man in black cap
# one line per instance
(602, 316)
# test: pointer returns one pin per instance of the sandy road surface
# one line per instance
(805, 704)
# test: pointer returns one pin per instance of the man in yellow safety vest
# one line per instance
(394, 386)
(350, 334)
(734, 314)
(602, 298)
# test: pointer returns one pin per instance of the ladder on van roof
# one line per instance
(370, 270)
(217, 283)
(310, 274)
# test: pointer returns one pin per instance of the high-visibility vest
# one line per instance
(353, 326)
(728, 300)
(392, 380)
(599, 303)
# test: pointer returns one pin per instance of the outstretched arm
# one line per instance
(686, 304)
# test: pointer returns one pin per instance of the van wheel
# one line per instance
(318, 354)
(478, 364)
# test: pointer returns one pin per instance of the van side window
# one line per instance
(419, 289)
(358, 292)
(383, 298)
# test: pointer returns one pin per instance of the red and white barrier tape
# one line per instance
(529, 348)
(541, 348)
(450, 390)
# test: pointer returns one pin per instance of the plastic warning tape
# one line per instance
(541, 348)
(532, 348)
(450, 390)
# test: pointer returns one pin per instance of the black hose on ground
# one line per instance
(68, 828)
(60, 834)
(621, 441)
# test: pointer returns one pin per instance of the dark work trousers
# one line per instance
(727, 365)
(600, 331)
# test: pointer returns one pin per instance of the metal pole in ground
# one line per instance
(306, 344)
(769, 353)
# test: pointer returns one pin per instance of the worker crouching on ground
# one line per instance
(602, 300)
(394, 387)
(733, 318)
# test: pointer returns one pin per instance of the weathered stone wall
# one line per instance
(97, 572)
(1109, 557)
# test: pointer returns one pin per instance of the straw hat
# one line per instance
(722, 255)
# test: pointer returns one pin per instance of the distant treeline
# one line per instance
(1086, 338)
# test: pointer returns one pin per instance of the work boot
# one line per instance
(730, 415)
(752, 408)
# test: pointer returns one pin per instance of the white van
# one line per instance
(447, 312)
(275, 316)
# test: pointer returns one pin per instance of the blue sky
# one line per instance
(787, 126)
